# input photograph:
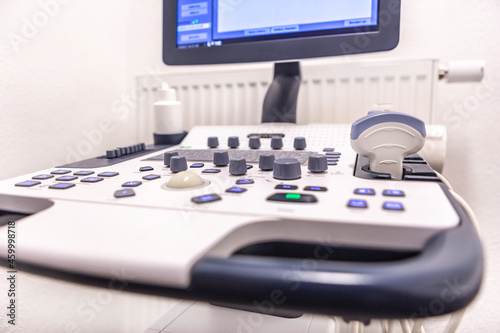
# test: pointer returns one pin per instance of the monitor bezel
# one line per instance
(385, 39)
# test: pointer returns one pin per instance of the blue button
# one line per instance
(108, 174)
(66, 178)
(315, 188)
(249, 166)
(146, 168)
(124, 193)
(83, 173)
(364, 191)
(60, 172)
(197, 165)
(28, 183)
(211, 171)
(332, 163)
(62, 186)
(356, 203)
(286, 187)
(134, 183)
(206, 198)
(151, 177)
(393, 193)
(391, 205)
(42, 177)
(244, 181)
(91, 179)
(236, 190)
(336, 154)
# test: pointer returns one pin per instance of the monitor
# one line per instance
(240, 31)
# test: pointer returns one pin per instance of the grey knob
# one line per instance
(221, 158)
(287, 169)
(299, 143)
(167, 156)
(233, 142)
(276, 142)
(317, 163)
(238, 166)
(213, 141)
(266, 162)
(254, 143)
(178, 164)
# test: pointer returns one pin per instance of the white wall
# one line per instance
(75, 71)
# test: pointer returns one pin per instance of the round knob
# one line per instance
(221, 158)
(213, 141)
(185, 179)
(167, 156)
(299, 143)
(233, 142)
(266, 162)
(317, 163)
(276, 142)
(287, 169)
(254, 143)
(238, 167)
(178, 163)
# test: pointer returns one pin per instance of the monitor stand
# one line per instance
(280, 103)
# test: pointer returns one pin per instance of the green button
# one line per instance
(293, 196)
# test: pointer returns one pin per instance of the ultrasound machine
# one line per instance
(276, 227)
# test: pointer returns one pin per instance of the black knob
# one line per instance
(233, 142)
(238, 166)
(299, 143)
(266, 161)
(178, 163)
(213, 141)
(317, 163)
(221, 158)
(167, 156)
(287, 169)
(254, 142)
(276, 142)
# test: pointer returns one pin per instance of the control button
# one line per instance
(28, 183)
(118, 152)
(286, 187)
(276, 142)
(211, 171)
(146, 168)
(143, 146)
(92, 179)
(167, 156)
(42, 177)
(206, 198)
(266, 161)
(185, 179)
(254, 142)
(62, 186)
(249, 166)
(391, 205)
(197, 165)
(332, 163)
(151, 177)
(221, 158)
(293, 197)
(60, 172)
(233, 142)
(134, 183)
(238, 166)
(315, 188)
(111, 153)
(364, 191)
(317, 163)
(236, 190)
(393, 193)
(128, 192)
(83, 173)
(287, 169)
(299, 143)
(66, 178)
(213, 142)
(108, 174)
(329, 149)
(244, 181)
(333, 154)
(357, 203)
(178, 164)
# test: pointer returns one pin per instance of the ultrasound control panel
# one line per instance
(223, 194)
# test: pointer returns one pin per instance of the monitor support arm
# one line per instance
(280, 103)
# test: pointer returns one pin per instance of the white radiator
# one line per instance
(330, 92)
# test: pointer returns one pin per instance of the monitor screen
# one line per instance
(232, 31)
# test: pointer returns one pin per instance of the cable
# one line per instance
(444, 180)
